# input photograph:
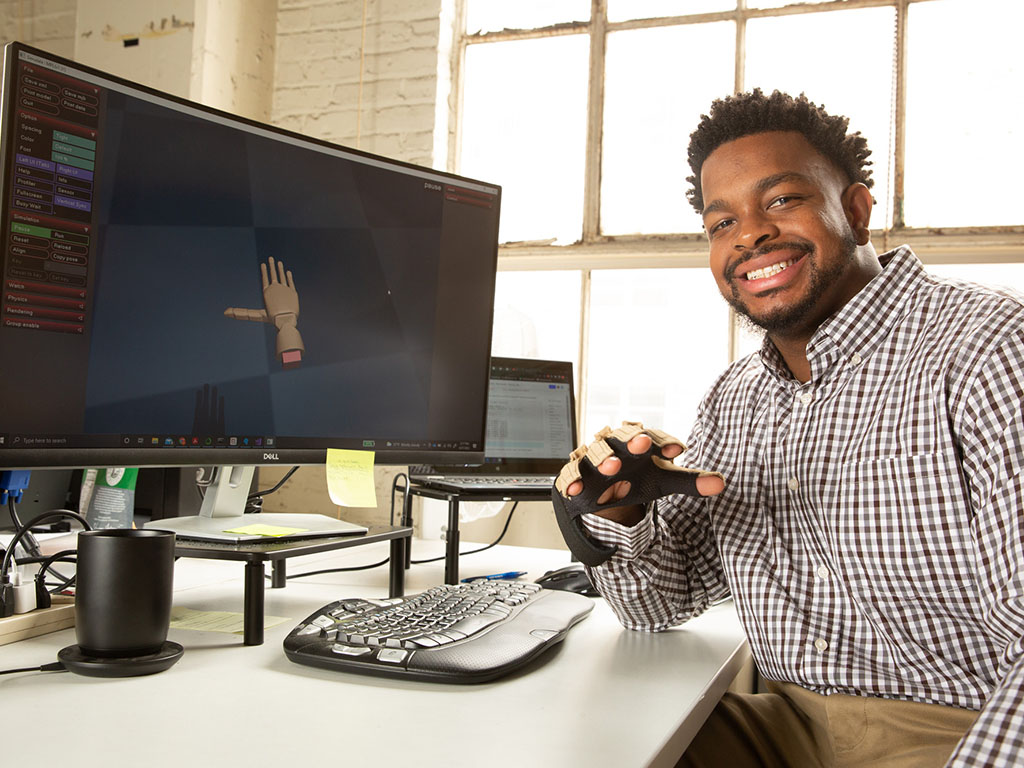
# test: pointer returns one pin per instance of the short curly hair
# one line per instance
(748, 113)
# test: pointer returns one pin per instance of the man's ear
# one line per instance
(857, 204)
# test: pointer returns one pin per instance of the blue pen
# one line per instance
(496, 576)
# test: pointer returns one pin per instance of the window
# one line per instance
(650, 107)
(644, 365)
(860, 90)
(537, 315)
(967, 110)
(582, 109)
(528, 132)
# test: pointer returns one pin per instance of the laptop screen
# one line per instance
(531, 420)
(530, 414)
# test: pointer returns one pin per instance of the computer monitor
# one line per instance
(184, 287)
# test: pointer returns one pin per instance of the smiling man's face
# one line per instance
(781, 221)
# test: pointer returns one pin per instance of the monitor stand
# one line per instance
(223, 508)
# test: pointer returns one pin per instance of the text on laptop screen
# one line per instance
(529, 415)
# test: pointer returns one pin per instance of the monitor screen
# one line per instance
(186, 287)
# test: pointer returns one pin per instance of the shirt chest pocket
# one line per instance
(903, 525)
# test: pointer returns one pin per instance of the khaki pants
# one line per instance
(791, 726)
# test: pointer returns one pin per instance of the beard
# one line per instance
(792, 319)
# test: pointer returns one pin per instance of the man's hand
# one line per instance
(707, 484)
(281, 302)
(616, 476)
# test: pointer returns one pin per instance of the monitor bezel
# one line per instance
(12, 457)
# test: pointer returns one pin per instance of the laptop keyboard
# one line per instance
(501, 481)
(430, 476)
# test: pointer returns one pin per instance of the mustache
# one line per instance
(749, 255)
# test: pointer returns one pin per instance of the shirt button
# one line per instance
(806, 398)
(821, 644)
(793, 483)
(822, 572)
(856, 359)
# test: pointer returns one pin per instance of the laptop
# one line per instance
(531, 430)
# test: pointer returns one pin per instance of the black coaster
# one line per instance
(75, 660)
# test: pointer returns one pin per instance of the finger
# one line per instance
(639, 444)
(263, 271)
(610, 466)
(575, 488)
(614, 492)
(280, 273)
(642, 443)
(671, 450)
(710, 485)
(255, 315)
(291, 280)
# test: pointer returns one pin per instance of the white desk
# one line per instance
(605, 697)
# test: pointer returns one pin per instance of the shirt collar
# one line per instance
(863, 322)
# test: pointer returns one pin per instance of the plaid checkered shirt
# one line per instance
(871, 530)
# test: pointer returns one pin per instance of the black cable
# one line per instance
(474, 551)
(9, 555)
(64, 556)
(31, 544)
(42, 594)
(385, 561)
(275, 488)
(55, 666)
(405, 492)
(6, 588)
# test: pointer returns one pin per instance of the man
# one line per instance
(869, 526)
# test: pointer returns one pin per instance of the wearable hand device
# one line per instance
(650, 476)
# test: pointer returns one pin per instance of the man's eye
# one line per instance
(718, 226)
(781, 200)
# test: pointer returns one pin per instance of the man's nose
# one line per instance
(754, 232)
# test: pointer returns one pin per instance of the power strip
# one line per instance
(60, 615)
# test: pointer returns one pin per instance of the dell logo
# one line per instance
(270, 457)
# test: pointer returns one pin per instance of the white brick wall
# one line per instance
(318, 67)
(46, 24)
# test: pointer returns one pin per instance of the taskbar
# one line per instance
(31, 441)
(179, 441)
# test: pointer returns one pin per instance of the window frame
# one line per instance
(594, 250)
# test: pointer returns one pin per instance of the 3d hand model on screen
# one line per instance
(281, 302)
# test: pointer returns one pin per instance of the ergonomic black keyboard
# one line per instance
(453, 633)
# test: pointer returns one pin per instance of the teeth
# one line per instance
(774, 269)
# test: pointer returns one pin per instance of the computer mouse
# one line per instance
(571, 578)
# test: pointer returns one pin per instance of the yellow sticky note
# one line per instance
(216, 621)
(259, 529)
(350, 478)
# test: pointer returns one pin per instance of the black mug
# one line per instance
(124, 581)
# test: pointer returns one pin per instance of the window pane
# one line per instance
(748, 338)
(624, 10)
(964, 114)
(655, 93)
(816, 64)
(656, 370)
(537, 315)
(524, 127)
(1007, 275)
(494, 16)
